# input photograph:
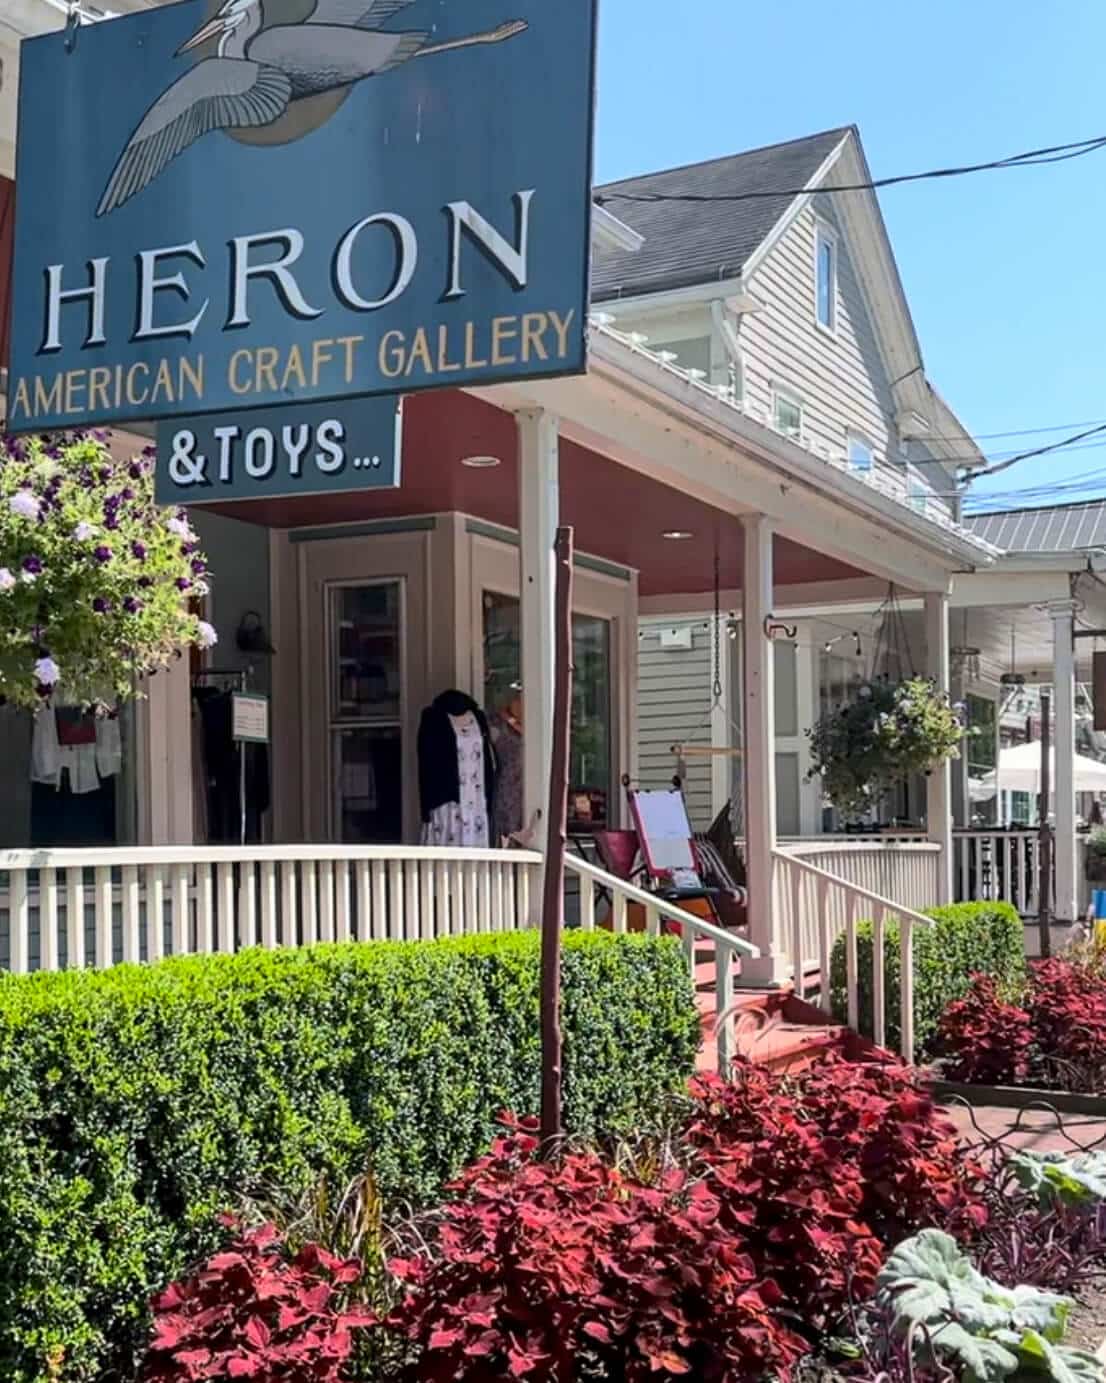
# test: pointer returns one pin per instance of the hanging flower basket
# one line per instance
(95, 578)
(891, 731)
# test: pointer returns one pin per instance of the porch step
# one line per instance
(773, 1029)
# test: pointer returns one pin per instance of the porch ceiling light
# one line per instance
(480, 463)
(677, 535)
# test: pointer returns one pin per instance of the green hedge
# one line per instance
(137, 1102)
(966, 938)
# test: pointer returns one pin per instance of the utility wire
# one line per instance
(1041, 451)
(1057, 153)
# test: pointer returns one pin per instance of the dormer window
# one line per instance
(825, 274)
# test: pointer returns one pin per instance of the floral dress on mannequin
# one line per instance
(465, 822)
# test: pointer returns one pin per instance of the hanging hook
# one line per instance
(775, 629)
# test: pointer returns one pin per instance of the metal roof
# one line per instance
(1057, 528)
(695, 242)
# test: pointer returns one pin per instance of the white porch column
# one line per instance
(939, 782)
(758, 722)
(1066, 902)
(539, 510)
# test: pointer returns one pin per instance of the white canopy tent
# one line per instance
(1019, 770)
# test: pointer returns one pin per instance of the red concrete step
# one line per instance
(772, 1028)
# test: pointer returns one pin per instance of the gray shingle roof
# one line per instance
(698, 242)
(1057, 528)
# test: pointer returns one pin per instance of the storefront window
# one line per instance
(981, 757)
(590, 747)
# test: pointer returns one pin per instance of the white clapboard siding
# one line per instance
(840, 378)
(673, 701)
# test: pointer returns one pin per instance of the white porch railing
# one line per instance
(61, 909)
(596, 883)
(998, 866)
(812, 907)
(906, 870)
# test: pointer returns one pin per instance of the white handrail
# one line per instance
(727, 947)
(856, 899)
(234, 854)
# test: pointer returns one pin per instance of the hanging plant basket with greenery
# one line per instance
(95, 578)
(891, 731)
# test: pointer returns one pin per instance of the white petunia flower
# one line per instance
(206, 635)
(47, 672)
(84, 530)
(7, 580)
(25, 505)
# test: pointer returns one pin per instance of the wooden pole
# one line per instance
(1044, 830)
(552, 916)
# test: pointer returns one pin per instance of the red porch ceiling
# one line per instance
(618, 514)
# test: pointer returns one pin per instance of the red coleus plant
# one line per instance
(794, 1195)
(983, 1039)
(1067, 1007)
(254, 1312)
(914, 1171)
(552, 1271)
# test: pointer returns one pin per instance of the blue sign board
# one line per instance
(264, 453)
(231, 204)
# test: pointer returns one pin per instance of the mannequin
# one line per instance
(506, 730)
(457, 772)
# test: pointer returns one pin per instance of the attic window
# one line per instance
(825, 273)
(860, 455)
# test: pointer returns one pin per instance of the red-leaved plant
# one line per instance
(792, 1195)
(983, 1039)
(254, 1312)
(558, 1270)
(915, 1173)
(1067, 1007)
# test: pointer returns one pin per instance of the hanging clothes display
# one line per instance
(222, 771)
(457, 772)
(75, 748)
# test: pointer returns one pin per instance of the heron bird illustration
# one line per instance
(260, 71)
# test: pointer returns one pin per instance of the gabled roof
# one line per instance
(688, 243)
(1055, 528)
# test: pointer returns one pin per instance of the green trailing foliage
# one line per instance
(966, 939)
(956, 1316)
(139, 1102)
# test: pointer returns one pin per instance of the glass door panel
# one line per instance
(365, 648)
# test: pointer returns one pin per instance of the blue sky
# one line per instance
(1005, 271)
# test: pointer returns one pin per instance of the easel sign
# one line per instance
(249, 718)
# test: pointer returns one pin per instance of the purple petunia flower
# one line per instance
(105, 473)
(139, 550)
(132, 605)
(103, 553)
(101, 604)
(145, 582)
(183, 583)
(126, 492)
(32, 564)
(199, 566)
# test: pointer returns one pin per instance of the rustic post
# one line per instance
(1044, 858)
(552, 917)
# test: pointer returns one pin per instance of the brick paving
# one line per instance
(1033, 1130)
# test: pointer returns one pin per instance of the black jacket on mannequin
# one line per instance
(439, 772)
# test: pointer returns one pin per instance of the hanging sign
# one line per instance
(265, 453)
(249, 718)
(233, 205)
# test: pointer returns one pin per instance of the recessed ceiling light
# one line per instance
(677, 535)
(480, 463)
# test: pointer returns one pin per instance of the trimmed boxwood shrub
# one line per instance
(966, 939)
(138, 1102)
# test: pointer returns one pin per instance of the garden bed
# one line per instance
(1020, 1097)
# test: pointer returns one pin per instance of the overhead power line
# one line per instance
(1057, 153)
(1041, 451)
